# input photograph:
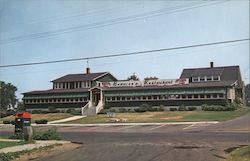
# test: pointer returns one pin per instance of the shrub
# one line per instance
(191, 108)
(6, 122)
(161, 108)
(173, 109)
(103, 111)
(130, 110)
(204, 106)
(13, 122)
(141, 109)
(182, 108)
(53, 109)
(50, 134)
(18, 136)
(76, 112)
(106, 106)
(42, 121)
(218, 108)
(122, 110)
(39, 112)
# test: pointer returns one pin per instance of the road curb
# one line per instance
(129, 124)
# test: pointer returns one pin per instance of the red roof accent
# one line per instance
(23, 115)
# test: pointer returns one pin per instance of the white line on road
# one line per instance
(157, 127)
(193, 126)
(127, 127)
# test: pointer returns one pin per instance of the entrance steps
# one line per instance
(90, 110)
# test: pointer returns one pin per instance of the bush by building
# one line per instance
(182, 108)
(53, 109)
(122, 110)
(42, 121)
(6, 121)
(173, 109)
(191, 108)
(218, 108)
(161, 108)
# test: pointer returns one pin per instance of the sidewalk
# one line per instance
(67, 119)
(37, 144)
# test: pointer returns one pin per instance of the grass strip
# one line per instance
(14, 155)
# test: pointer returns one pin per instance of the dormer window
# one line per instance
(216, 78)
(202, 79)
(209, 78)
(195, 79)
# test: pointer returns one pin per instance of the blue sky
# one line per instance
(45, 30)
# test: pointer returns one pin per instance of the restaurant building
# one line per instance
(92, 91)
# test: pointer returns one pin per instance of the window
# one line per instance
(184, 96)
(118, 98)
(216, 78)
(209, 78)
(154, 97)
(144, 97)
(208, 96)
(202, 79)
(202, 96)
(214, 95)
(123, 98)
(195, 79)
(189, 96)
(196, 96)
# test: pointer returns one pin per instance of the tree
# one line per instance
(7, 95)
(20, 106)
(247, 94)
(151, 78)
(133, 77)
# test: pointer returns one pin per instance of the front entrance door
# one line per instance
(96, 96)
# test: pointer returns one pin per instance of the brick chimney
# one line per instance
(211, 64)
(88, 70)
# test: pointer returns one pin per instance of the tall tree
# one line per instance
(7, 95)
(133, 77)
(247, 94)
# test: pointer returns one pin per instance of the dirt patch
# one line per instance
(34, 155)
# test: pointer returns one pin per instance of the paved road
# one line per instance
(204, 142)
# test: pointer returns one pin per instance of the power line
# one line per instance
(125, 54)
(105, 23)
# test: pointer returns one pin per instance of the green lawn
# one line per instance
(176, 116)
(240, 154)
(4, 144)
(49, 117)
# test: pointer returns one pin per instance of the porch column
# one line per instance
(101, 97)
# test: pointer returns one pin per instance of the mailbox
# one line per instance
(22, 120)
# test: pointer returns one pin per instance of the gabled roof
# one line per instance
(226, 73)
(54, 91)
(80, 77)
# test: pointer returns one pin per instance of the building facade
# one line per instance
(92, 91)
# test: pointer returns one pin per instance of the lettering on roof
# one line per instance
(145, 83)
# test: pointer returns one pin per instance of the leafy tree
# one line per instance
(20, 106)
(247, 94)
(133, 77)
(7, 95)
(151, 78)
